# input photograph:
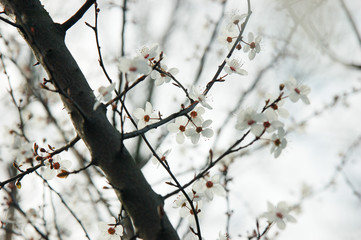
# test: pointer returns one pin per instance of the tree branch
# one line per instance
(78, 15)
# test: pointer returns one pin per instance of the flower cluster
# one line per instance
(203, 189)
(55, 166)
(160, 72)
(267, 121)
(230, 35)
(105, 95)
(146, 62)
(193, 126)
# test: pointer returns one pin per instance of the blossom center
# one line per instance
(297, 91)
(267, 124)
(146, 118)
(199, 129)
(251, 122)
(111, 231)
(233, 69)
(56, 165)
(252, 45)
(182, 128)
(274, 106)
(277, 142)
(194, 114)
(279, 215)
(209, 184)
(132, 69)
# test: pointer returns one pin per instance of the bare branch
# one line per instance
(78, 15)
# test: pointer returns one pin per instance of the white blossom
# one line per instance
(234, 66)
(273, 125)
(228, 37)
(249, 118)
(55, 165)
(186, 211)
(278, 142)
(161, 78)
(196, 115)
(276, 110)
(181, 199)
(279, 214)
(110, 231)
(197, 96)
(134, 67)
(179, 127)
(145, 116)
(253, 46)
(209, 186)
(162, 155)
(235, 21)
(105, 95)
(195, 132)
(149, 52)
(297, 91)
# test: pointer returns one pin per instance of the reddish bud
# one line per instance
(111, 231)
(63, 174)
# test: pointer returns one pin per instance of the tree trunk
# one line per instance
(46, 39)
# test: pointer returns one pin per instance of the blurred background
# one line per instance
(316, 41)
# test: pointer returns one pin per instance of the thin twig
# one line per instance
(208, 46)
(65, 205)
(10, 22)
(95, 29)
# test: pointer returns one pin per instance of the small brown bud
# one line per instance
(282, 86)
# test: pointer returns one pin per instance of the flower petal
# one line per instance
(208, 133)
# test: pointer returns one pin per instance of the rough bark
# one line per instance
(46, 39)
